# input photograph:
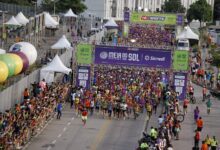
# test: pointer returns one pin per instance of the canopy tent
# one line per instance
(111, 24)
(49, 21)
(187, 33)
(21, 19)
(13, 22)
(62, 43)
(56, 65)
(2, 51)
(70, 13)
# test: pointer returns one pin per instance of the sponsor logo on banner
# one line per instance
(125, 56)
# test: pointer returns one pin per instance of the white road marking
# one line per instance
(72, 118)
(69, 123)
(64, 129)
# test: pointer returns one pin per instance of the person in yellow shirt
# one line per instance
(208, 140)
(214, 143)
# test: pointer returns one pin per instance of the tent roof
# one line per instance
(111, 24)
(49, 21)
(21, 18)
(2, 51)
(56, 65)
(13, 21)
(70, 13)
(187, 33)
(61, 43)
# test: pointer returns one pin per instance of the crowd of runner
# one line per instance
(150, 35)
(120, 92)
(20, 123)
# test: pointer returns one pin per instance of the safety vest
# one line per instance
(214, 142)
(153, 133)
(144, 145)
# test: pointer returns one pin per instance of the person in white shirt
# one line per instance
(160, 120)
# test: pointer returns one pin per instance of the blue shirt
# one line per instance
(59, 107)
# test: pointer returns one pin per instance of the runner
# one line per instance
(209, 105)
(84, 116)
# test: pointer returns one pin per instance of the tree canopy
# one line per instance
(173, 6)
(200, 10)
(216, 58)
(63, 5)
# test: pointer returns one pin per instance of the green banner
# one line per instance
(181, 60)
(153, 18)
(126, 30)
(84, 54)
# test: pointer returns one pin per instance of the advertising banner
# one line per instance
(83, 76)
(153, 18)
(181, 60)
(84, 54)
(126, 16)
(157, 58)
(180, 19)
(180, 84)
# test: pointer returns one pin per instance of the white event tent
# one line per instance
(49, 21)
(62, 43)
(111, 24)
(2, 51)
(56, 65)
(13, 22)
(187, 33)
(70, 13)
(21, 19)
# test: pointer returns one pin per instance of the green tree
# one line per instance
(173, 6)
(200, 10)
(216, 58)
(63, 5)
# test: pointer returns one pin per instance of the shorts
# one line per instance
(184, 106)
(84, 117)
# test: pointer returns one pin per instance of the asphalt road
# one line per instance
(98, 134)
(104, 134)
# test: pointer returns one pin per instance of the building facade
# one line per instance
(114, 8)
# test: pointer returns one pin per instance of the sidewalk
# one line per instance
(211, 122)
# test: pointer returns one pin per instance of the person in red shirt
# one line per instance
(84, 116)
(185, 105)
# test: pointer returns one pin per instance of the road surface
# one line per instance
(98, 134)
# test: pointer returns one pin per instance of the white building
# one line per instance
(114, 8)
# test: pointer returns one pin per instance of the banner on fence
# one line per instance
(181, 60)
(156, 58)
(153, 18)
(84, 54)
(126, 16)
(180, 84)
(83, 76)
